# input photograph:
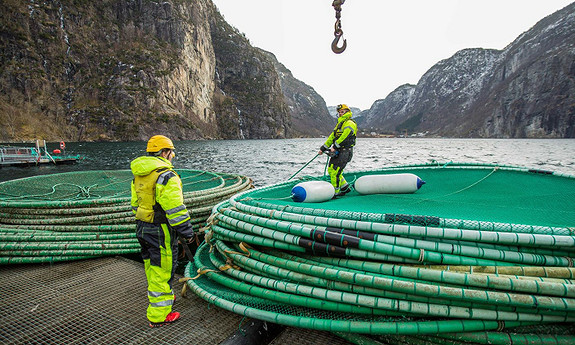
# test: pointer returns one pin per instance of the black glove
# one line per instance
(185, 230)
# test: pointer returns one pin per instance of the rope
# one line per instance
(283, 198)
(462, 189)
(245, 248)
(306, 164)
(240, 326)
(421, 255)
(185, 279)
(475, 183)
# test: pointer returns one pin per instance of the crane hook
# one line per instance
(338, 31)
(334, 47)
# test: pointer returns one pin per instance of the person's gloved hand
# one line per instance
(192, 239)
(187, 240)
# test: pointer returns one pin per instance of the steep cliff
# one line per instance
(526, 90)
(123, 70)
(308, 111)
(250, 101)
(531, 91)
(106, 70)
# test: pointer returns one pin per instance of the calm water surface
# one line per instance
(271, 161)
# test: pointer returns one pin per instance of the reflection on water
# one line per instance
(271, 161)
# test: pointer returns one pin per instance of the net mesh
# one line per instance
(97, 184)
(78, 215)
(476, 193)
(270, 304)
(479, 248)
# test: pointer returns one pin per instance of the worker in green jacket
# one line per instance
(161, 216)
(340, 145)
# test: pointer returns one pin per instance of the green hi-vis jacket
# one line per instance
(344, 133)
(157, 195)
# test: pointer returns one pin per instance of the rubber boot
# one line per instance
(343, 191)
(172, 317)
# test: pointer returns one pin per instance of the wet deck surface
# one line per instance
(103, 301)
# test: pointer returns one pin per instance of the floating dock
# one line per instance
(30, 156)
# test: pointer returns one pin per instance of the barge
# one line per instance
(31, 156)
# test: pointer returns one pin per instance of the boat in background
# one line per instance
(28, 156)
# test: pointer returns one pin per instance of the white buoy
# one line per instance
(388, 184)
(312, 191)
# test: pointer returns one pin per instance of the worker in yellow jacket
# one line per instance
(161, 216)
(339, 146)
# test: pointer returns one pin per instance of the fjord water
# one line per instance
(271, 161)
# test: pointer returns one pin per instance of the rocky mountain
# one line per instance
(526, 90)
(249, 99)
(309, 114)
(123, 70)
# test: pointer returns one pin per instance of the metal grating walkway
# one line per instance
(103, 301)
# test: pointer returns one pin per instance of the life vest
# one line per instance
(338, 131)
(148, 210)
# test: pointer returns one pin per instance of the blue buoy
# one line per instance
(298, 193)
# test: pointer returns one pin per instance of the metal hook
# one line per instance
(335, 48)
(337, 28)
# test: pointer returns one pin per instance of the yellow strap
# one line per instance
(245, 248)
(185, 279)
(200, 273)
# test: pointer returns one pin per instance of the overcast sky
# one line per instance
(389, 42)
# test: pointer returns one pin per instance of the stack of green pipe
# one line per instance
(81, 215)
(332, 267)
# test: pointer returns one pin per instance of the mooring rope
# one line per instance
(305, 165)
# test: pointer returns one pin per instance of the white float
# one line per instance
(312, 191)
(388, 184)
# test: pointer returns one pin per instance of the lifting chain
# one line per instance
(338, 32)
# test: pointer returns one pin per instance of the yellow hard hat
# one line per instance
(158, 142)
(342, 106)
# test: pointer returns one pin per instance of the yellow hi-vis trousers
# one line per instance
(159, 252)
(336, 166)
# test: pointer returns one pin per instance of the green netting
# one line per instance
(301, 311)
(476, 248)
(86, 188)
(78, 215)
(494, 194)
(548, 334)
